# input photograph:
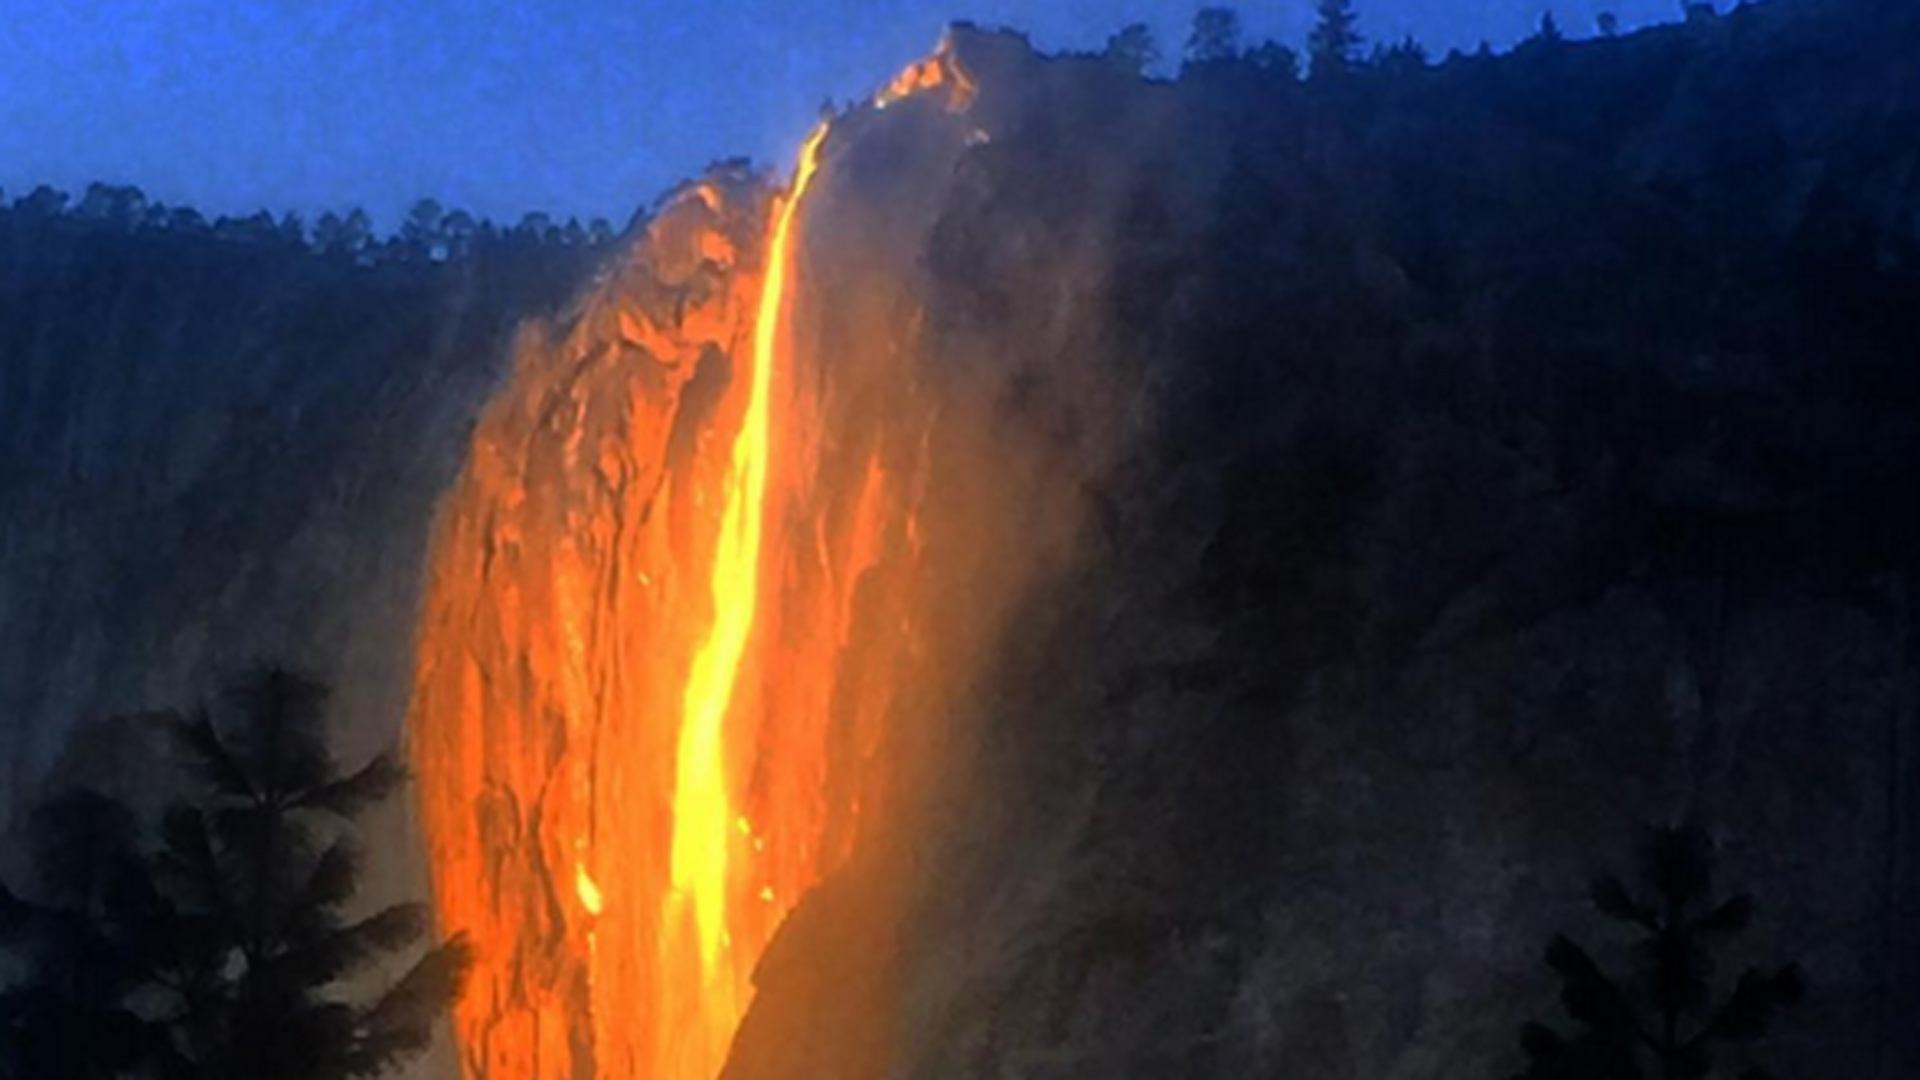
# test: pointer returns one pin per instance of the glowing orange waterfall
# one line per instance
(614, 810)
(668, 617)
(703, 807)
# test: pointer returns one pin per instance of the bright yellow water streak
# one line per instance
(701, 803)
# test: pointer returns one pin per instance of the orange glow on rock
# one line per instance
(702, 803)
(587, 721)
(678, 602)
(940, 71)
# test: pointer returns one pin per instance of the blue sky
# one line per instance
(587, 107)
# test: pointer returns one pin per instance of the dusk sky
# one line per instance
(587, 107)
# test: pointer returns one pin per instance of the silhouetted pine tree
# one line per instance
(1132, 49)
(224, 954)
(1673, 1022)
(1215, 37)
(420, 232)
(269, 856)
(1408, 57)
(77, 956)
(1335, 39)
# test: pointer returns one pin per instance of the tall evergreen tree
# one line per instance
(225, 953)
(269, 854)
(1666, 1015)
(1550, 31)
(69, 1014)
(1408, 57)
(1132, 49)
(421, 234)
(1335, 40)
(1215, 37)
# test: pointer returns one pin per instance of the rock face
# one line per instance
(218, 450)
(1504, 463)
(581, 578)
(582, 527)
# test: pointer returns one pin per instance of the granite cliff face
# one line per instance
(1511, 454)
(749, 486)
(1233, 558)
(214, 450)
(563, 553)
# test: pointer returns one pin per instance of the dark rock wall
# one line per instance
(216, 451)
(1517, 452)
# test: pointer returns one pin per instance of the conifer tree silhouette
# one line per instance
(1335, 39)
(235, 950)
(1664, 1014)
(69, 1014)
